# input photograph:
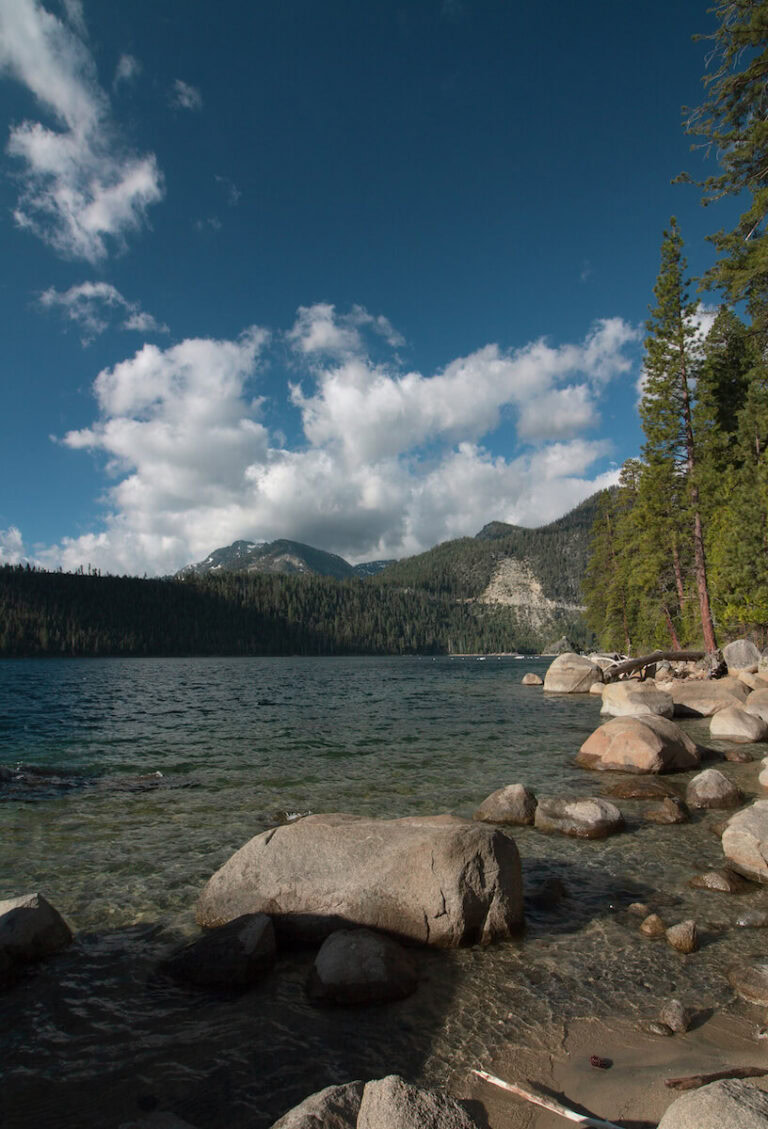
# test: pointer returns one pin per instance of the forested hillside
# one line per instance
(243, 614)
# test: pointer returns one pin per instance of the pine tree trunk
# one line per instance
(678, 578)
(671, 629)
(707, 626)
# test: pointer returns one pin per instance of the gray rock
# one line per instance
(358, 966)
(683, 937)
(571, 674)
(670, 810)
(676, 1016)
(439, 880)
(738, 723)
(642, 789)
(633, 699)
(694, 698)
(392, 1103)
(711, 789)
(722, 881)
(639, 744)
(741, 654)
(753, 919)
(531, 679)
(729, 1104)
(750, 981)
(639, 909)
(513, 804)
(335, 1107)
(232, 956)
(590, 818)
(31, 929)
(745, 841)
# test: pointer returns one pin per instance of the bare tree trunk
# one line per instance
(671, 629)
(678, 578)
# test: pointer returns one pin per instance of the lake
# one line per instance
(133, 780)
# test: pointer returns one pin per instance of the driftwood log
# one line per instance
(693, 1081)
(547, 1103)
(629, 665)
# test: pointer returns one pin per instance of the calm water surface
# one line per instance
(133, 780)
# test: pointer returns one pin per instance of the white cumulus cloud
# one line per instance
(389, 463)
(81, 187)
(11, 546)
(185, 97)
(92, 306)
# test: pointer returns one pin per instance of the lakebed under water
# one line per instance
(135, 779)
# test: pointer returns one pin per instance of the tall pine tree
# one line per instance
(666, 409)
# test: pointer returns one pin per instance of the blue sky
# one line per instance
(366, 275)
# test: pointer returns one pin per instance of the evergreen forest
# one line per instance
(679, 554)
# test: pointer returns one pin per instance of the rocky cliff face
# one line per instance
(515, 585)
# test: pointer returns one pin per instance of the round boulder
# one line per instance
(736, 723)
(633, 699)
(711, 789)
(745, 841)
(31, 929)
(358, 966)
(513, 804)
(741, 654)
(727, 1104)
(531, 679)
(683, 937)
(722, 881)
(639, 744)
(335, 1107)
(438, 880)
(590, 818)
(393, 1103)
(571, 674)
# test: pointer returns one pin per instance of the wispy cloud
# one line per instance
(128, 68)
(185, 97)
(92, 306)
(80, 186)
(233, 192)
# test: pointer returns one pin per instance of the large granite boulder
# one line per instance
(232, 956)
(438, 880)
(572, 674)
(30, 929)
(590, 818)
(633, 698)
(514, 804)
(359, 966)
(393, 1103)
(639, 744)
(387, 1103)
(335, 1107)
(729, 1104)
(741, 654)
(737, 723)
(702, 698)
(745, 841)
(712, 789)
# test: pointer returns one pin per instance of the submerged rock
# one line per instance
(670, 810)
(513, 804)
(439, 880)
(232, 956)
(750, 981)
(683, 937)
(729, 1104)
(711, 789)
(723, 881)
(590, 818)
(642, 789)
(571, 674)
(531, 679)
(639, 744)
(753, 919)
(358, 966)
(655, 1027)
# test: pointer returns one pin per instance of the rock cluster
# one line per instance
(30, 930)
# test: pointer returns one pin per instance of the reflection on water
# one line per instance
(124, 784)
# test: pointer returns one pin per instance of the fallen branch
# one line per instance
(547, 1103)
(693, 1081)
(626, 667)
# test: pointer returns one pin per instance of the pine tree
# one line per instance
(733, 123)
(666, 408)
